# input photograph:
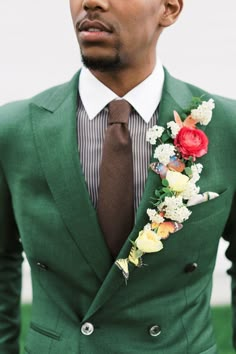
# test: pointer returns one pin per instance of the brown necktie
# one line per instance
(116, 192)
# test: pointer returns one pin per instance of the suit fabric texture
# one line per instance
(47, 212)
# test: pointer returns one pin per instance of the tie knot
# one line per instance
(119, 111)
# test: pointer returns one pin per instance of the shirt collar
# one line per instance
(144, 98)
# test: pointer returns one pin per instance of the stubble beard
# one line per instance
(103, 64)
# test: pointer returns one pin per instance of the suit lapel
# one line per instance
(176, 96)
(54, 126)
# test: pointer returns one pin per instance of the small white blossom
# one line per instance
(199, 167)
(164, 152)
(191, 191)
(174, 128)
(147, 227)
(154, 133)
(151, 212)
(203, 113)
(175, 209)
(154, 216)
(196, 170)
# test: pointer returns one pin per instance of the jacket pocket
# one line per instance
(211, 350)
(211, 208)
(41, 340)
(44, 331)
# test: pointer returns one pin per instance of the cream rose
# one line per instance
(177, 181)
(148, 242)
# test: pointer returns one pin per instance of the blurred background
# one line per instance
(39, 50)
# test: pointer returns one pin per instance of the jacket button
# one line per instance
(191, 267)
(155, 331)
(87, 328)
(42, 266)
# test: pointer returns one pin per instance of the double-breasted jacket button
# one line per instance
(191, 267)
(42, 266)
(155, 331)
(87, 328)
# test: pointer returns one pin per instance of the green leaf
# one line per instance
(196, 101)
(191, 159)
(188, 171)
(158, 202)
(162, 197)
(153, 203)
(133, 243)
(189, 163)
(165, 183)
(166, 190)
(157, 193)
(139, 253)
(165, 137)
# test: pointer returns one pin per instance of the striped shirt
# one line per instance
(91, 135)
(94, 98)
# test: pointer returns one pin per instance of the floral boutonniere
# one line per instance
(181, 143)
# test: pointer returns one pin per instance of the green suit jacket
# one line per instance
(45, 209)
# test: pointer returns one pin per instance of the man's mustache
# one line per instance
(93, 18)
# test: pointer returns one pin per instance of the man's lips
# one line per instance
(92, 26)
(93, 31)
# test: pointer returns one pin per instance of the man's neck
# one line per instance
(123, 80)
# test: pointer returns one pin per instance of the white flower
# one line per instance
(154, 216)
(196, 170)
(174, 127)
(191, 191)
(164, 152)
(175, 209)
(203, 113)
(147, 227)
(154, 133)
(199, 167)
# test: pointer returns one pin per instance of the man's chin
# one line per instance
(102, 64)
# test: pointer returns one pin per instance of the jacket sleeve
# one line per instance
(10, 273)
(230, 235)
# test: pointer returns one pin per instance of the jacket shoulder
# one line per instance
(17, 111)
(224, 114)
(226, 103)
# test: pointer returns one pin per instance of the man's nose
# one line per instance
(101, 5)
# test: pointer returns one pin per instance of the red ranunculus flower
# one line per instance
(191, 142)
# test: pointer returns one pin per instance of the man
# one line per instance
(55, 204)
